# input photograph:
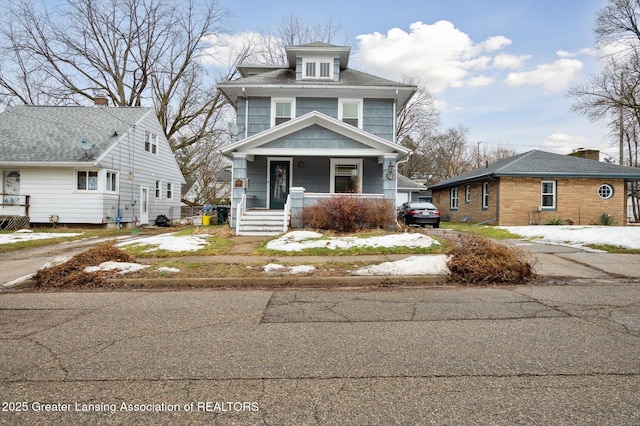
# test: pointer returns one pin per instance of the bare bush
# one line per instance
(480, 261)
(348, 213)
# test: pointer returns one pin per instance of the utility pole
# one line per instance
(621, 121)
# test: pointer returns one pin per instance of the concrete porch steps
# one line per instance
(262, 222)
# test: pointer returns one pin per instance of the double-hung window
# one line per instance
(112, 181)
(151, 142)
(467, 194)
(86, 180)
(169, 190)
(454, 198)
(548, 194)
(282, 110)
(350, 111)
(158, 188)
(346, 175)
(485, 195)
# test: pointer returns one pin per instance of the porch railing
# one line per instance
(14, 205)
(240, 209)
(310, 198)
(287, 214)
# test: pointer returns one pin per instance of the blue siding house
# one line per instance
(309, 130)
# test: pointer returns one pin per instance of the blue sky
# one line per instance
(502, 68)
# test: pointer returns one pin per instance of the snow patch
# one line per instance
(414, 265)
(301, 240)
(122, 267)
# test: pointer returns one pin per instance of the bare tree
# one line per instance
(614, 94)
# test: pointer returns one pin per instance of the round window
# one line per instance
(605, 191)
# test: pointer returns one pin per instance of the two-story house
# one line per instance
(309, 130)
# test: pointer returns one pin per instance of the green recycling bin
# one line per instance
(223, 214)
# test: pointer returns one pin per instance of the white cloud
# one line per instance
(480, 81)
(509, 62)
(440, 54)
(563, 143)
(554, 77)
(223, 50)
(582, 52)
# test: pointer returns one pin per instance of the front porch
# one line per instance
(14, 212)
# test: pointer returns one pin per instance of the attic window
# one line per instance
(605, 191)
(151, 142)
(318, 69)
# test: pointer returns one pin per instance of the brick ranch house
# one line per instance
(536, 187)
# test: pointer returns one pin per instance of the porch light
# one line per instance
(390, 171)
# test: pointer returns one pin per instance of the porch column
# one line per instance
(238, 171)
(297, 204)
(389, 178)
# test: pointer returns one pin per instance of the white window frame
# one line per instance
(553, 194)
(90, 187)
(158, 189)
(316, 64)
(275, 101)
(485, 195)
(151, 143)
(606, 187)
(342, 101)
(345, 161)
(109, 179)
(453, 198)
(169, 188)
(467, 194)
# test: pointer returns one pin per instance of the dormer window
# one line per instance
(318, 69)
(282, 110)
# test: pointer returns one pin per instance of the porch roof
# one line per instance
(372, 145)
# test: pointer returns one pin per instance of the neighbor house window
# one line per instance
(86, 180)
(169, 190)
(605, 191)
(485, 195)
(548, 194)
(112, 181)
(346, 175)
(158, 188)
(350, 111)
(151, 142)
(282, 110)
(467, 194)
(454, 198)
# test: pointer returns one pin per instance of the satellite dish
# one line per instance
(85, 144)
(233, 128)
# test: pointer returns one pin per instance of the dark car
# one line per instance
(420, 213)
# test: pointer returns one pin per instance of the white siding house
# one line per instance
(87, 165)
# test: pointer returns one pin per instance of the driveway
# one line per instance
(539, 354)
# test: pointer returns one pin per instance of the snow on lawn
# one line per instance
(300, 240)
(414, 265)
(298, 269)
(623, 236)
(122, 267)
(28, 235)
(170, 242)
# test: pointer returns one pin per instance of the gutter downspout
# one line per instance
(246, 113)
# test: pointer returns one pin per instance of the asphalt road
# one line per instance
(561, 354)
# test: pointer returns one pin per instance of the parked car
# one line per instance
(419, 213)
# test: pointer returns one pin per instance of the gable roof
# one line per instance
(544, 164)
(376, 144)
(408, 184)
(52, 134)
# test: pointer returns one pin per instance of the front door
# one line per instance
(278, 184)
(144, 205)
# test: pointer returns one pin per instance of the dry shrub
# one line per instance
(480, 261)
(71, 273)
(348, 213)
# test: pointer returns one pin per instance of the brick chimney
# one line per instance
(589, 154)
(100, 101)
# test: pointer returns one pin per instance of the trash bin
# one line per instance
(206, 220)
(223, 214)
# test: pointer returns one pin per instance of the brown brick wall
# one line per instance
(577, 202)
(473, 209)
